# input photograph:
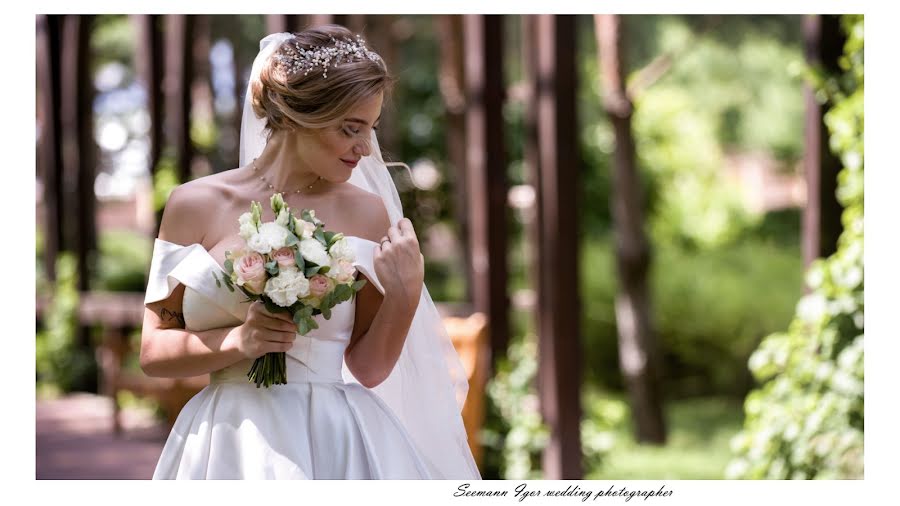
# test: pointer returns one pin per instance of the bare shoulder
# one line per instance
(191, 206)
(366, 212)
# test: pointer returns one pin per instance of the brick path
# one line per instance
(75, 440)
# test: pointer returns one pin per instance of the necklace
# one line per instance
(256, 170)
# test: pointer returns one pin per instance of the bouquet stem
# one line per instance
(269, 369)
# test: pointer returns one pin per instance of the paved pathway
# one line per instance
(75, 440)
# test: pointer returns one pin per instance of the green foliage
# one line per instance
(807, 419)
(58, 359)
(515, 432)
(165, 180)
(692, 202)
(737, 294)
(123, 260)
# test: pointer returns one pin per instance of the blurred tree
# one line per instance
(639, 354)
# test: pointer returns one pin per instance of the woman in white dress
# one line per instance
(376, 391)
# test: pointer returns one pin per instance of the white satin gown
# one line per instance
(314, 427)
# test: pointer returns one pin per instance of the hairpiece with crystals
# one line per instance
(293, 57)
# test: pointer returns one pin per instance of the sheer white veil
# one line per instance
(428, 385)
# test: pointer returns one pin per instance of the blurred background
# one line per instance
(644, 232)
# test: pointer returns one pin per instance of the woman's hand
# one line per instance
(399, 264)
(264, 332)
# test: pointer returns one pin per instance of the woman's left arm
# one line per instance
(382, 321)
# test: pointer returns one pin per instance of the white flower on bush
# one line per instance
(285, 288)
(341, 250)
(247, 226)
(271, 236)
(312, 250)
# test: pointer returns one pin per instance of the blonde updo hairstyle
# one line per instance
(288, 100)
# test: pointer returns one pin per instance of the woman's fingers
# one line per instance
(406, 228)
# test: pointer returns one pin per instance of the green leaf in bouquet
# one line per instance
(326, 312)
(311, 271)
(323, 269)
(312, 323)
(272, 268)
(342, 292)
(307, 311)
(271, 306)
(298, 259)
(229, 266)
(319, 234)
(218, 283)
(329, 239)
(357, 285)
(303, 326)
(292, 240)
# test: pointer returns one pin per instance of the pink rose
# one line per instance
(285, 257)
(345, 271)
(251, 271)
(319, 285)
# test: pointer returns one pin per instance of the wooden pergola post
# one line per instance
(150, 72)
(177, 91)
(49, 29)
(486, 174)
(551, 39)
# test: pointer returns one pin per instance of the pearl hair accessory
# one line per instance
(293, 57)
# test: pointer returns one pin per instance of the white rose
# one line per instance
(288, 286)
(247, 226)
(312, 250)
(283, 217)
(341, 250)
(342, 271)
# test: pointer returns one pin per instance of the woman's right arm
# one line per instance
(167, 348)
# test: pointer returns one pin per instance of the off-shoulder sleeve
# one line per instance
(364, 250)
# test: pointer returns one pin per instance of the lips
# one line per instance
(350, 163)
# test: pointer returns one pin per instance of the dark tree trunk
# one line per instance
(79, 162)
(486, 174)
(150, 71)
(551, 43)
(452, 86)
(823, 43)
(638, 346)
(49, 30)
(178, 92)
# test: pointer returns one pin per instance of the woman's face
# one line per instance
(334, 152)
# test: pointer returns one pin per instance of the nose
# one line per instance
(362, 148)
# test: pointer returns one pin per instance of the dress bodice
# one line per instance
(317, 356)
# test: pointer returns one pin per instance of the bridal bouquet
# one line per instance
(291, 265)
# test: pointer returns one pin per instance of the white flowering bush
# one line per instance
(806, 421)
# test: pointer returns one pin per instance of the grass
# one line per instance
(697, 448)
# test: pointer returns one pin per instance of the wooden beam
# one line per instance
(150, 73)
(486, 174)
(559, 366)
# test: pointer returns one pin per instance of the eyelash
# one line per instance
(349, 132)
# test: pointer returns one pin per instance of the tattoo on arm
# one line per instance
(168, 316)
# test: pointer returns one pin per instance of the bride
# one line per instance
(376, 391)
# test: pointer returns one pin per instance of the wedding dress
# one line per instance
(316, 426)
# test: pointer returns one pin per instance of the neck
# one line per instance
(283, 167)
